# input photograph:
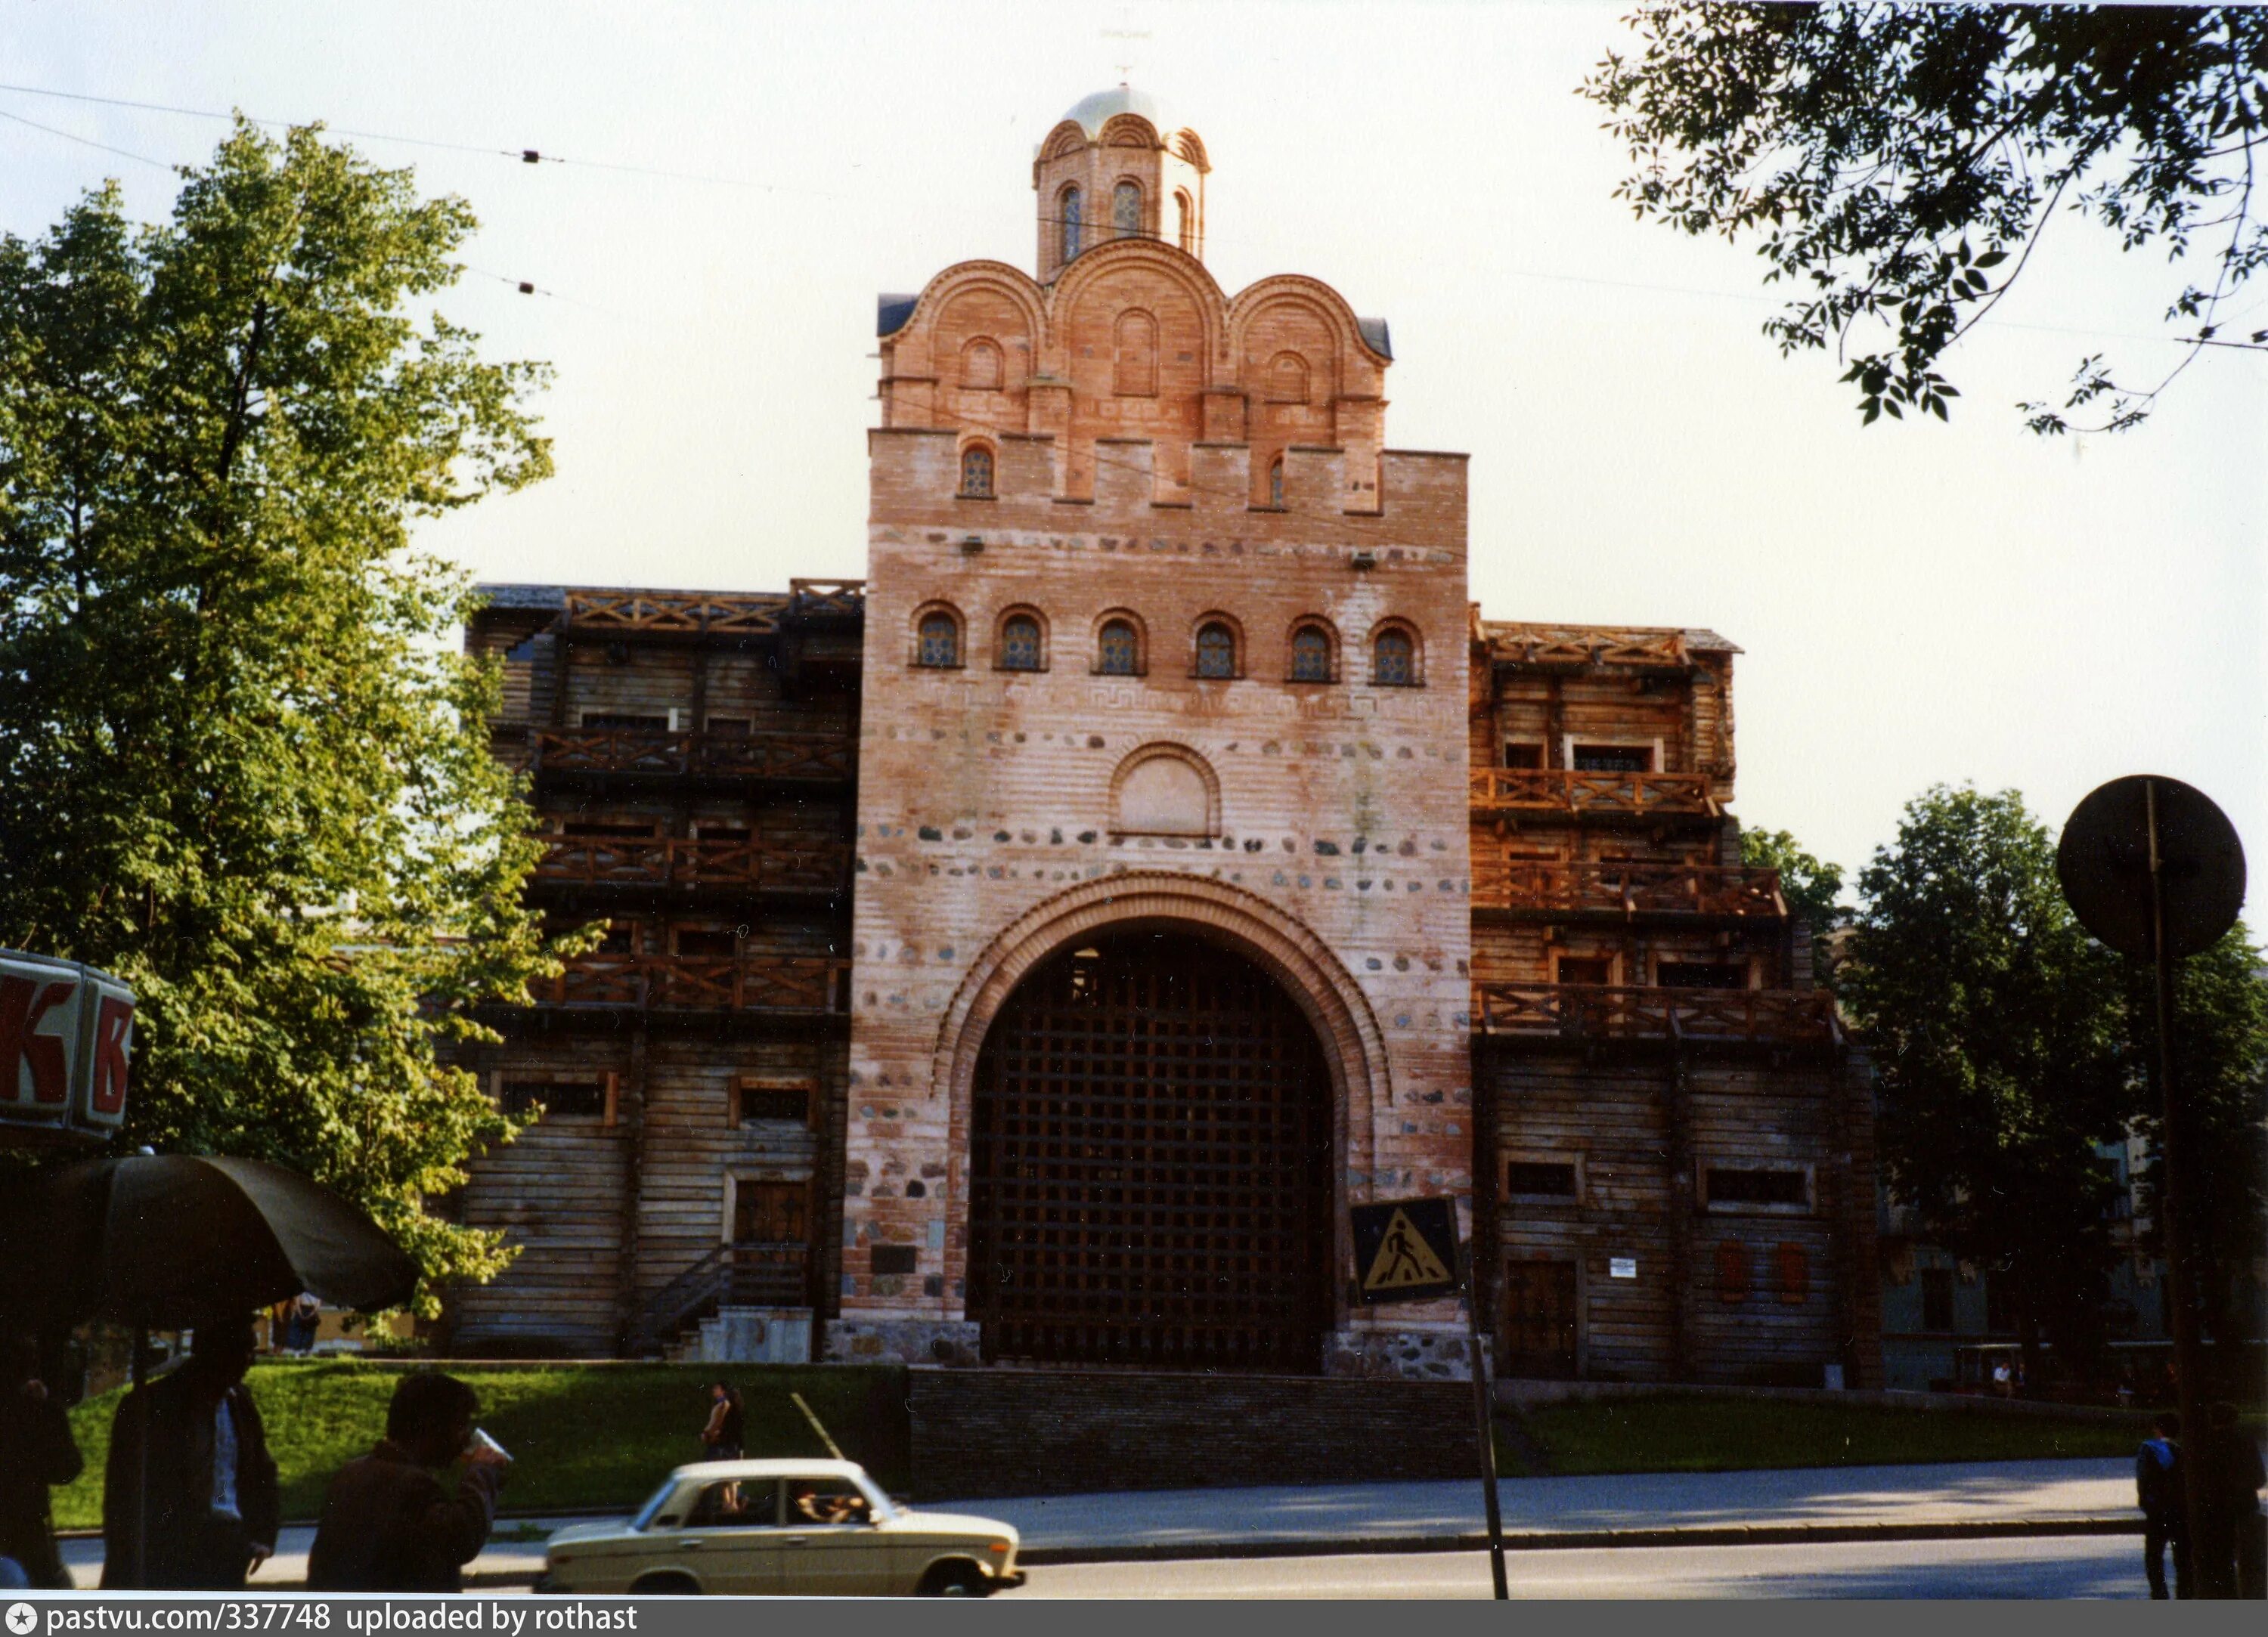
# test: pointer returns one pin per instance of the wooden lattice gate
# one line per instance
(1151, 1176)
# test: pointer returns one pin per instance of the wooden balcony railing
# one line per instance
(688, 614)
(692, 866)
(798, 756)
(1564, 791)
(1626, 889)
(1583, 1011)
(725, 983)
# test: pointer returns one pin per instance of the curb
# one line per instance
(1583, 1539)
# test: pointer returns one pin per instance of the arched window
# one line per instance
(1185, 222)
(1126, 209)
(1118, 650)
(1276, 482)
(1136, 374)
(939, 643)
(1311, 655)
(1215, 650)
(1393, 659)
(976, 471)
(1068, 215)
(1019, 643)
(980, 365)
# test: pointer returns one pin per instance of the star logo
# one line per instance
(22, 1617)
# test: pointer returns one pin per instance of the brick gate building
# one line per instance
(1027, 955)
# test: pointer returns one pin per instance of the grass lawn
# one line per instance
(580, 1438)
(1684, 1435)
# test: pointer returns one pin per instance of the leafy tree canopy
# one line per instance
(240, 764)
(1995, 1024)
(1899, 163)
(1812, 887)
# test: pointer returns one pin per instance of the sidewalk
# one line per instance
(1652, 1508)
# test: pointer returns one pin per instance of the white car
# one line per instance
(797, 1529)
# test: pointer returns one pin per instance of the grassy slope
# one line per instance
(1679, 1434)
(580, 1438)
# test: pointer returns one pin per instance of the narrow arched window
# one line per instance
(940, 640)
(1393, 661)
(1019, 643)
(1216, 650)
(1276, 482)
(1069, 213)
(1135, 356)
(1185, 222)
(976, 471)
(1288, 378)
(1118, 652)
(1126, 209)
(1311, 655)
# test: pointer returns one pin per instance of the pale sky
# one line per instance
(1918, 603)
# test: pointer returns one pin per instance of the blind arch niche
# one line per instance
(1165, 789)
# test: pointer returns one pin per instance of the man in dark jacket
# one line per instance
(36, 1451)
(2158, 1492)
(388, 1524)
(211, 1502)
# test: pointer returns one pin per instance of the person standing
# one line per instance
(37, 1451)
(721, 1438)
(210, 1500)
(2227, 1547)
(388, 1523)
(2158, 1490)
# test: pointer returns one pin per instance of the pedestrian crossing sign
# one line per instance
(1405, 1249)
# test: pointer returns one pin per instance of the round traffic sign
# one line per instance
(2103, 862)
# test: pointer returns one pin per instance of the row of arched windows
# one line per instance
(1217, 650)
(1127, 217)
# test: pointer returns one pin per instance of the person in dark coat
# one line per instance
(212, 1502)
(2158, 1490)
(37, 1451)
(388, 1523)
(2228, 1545)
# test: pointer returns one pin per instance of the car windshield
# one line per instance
(654, 1503)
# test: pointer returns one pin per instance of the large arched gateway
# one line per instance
(1150, 1163)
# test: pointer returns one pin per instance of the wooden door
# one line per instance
(1535, 1331)
(772, 1213)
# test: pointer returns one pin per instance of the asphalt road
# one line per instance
(2068, 1566)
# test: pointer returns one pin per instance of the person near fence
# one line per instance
(721, 1438)
(208, 1486)
(388, 1523)
(37, 1452)
(2158, 1490)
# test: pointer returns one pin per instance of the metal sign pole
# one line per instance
(2188, 1349)
(1484, 1423)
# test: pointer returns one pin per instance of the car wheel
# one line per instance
(668, 1585)
(955, 1580)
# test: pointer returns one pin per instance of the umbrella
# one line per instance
(161, 1240)
(170, 1239)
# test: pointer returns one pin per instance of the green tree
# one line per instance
(1812, 887)
(1995, 1024)
(2221, 1067)
(1899, 163)
(240, 765)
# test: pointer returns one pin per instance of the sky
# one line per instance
(1916, 603)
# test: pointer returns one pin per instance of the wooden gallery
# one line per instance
(1027, 955)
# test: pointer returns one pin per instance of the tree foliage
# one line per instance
(2220, 1070)
(1994, 1022)
(1899, 163)
(1812, 887)
(240, 765)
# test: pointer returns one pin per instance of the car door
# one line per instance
(829, 1546)
(730, 1539)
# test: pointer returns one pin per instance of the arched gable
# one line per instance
(1178, 272)
(977, 297)
(1067, 138)
(1312, 296)
(1129, 130)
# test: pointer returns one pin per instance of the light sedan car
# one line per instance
(797, 1529)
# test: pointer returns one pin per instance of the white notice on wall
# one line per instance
(1622, 1267)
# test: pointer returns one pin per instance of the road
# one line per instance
(2065, 1566)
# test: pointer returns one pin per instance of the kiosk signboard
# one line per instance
(66, 1037)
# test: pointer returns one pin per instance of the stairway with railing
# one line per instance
(744, 1273)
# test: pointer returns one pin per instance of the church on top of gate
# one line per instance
(1032, 953)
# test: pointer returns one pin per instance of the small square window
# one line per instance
(1614, 759)
(895, 1259)
(1779, 1190)
(769, 1102)
(1540, 1179)
(1694, 975)
(1523, 758)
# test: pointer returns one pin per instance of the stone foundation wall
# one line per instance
(931, 1341)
